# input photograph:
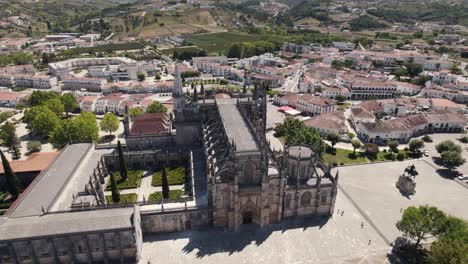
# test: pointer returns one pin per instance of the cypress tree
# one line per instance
(13, 185)
(122, 163)
(244, 89)
(15, 151)
(195, 94)
(165, 184)
(202, 89)
(114, 189)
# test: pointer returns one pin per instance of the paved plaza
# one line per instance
(339, 239)
(372, 188)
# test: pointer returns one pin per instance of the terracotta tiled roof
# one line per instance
(36, 162)
(150, 124)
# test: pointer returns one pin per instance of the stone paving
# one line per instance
(339, 239)
(372, 188)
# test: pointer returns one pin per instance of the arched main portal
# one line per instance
(249, 214)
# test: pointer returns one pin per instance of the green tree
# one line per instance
(333, 138)
(415, 145)
(34, 146)
(371, 150)
(122, 162)
(340, 98)
(448, 145)
(109, 123)
(400, 72)
(421, 223)
(427, 139)
(295, 132)
(114, 189)
(44, 122)
(356, 144)
(85, 128)
(12, 183)
(141, 76)
(452, 245)
(39, 97)
(393, 145)
(134, 112)
(69, 102)
(454, 69)
(156, 107)
(62, 134)
(451, 159)
(165, 184)
(414, 69)
(10, 139)
(55, 105)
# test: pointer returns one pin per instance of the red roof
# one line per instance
(36, 162)
(150, 124)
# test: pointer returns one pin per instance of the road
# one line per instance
(291, 84)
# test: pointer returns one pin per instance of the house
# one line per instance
(332, 122)
(11, 99)
(83, 83)
(315, 105)
(150, 124)
(87, 103)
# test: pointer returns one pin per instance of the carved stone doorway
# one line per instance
(247, 218)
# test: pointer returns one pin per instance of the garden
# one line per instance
(175, 176)
(173, 194)
(133, 180)
(124, 198)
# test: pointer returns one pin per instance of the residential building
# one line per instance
(315, 105)
(11, 99)
(83, 83)
(331, 122)
(35, 81)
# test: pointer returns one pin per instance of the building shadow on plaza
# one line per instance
(210, 241)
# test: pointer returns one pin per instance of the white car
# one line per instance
(426, 153)
(462, 177)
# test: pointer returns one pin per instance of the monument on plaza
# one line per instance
(406, 182)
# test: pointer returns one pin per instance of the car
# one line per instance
(426, 153)
(462, 177)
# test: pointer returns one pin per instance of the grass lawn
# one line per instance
(133, 180)
(344, 157)
(173, 194)
(386, 156)
(219, 42)
(343, 106)
(129, 198)
(175, 176)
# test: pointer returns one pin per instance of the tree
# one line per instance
(12, 183)
(295, 132)
(62, 134)
(141, 76)
(10, 139)
(114, 189)
(44, 122)
(134, 112)
(452, 245)
(34, 146)
(122, 162)
(400, 72)
(55, 105)
(165, 184)
(371, 150)
(455, 70)
(393, 145)
(452, 159)
(333, 138)
(448, 145)
(427, 139)
(415, 145)
(414, 69)
(356, 144)
(39, 97)
(340, 98)
(69, 103)
(156, 107)
(421, 223)
(109, 123)
(85, 128)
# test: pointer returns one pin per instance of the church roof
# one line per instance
(235, 126)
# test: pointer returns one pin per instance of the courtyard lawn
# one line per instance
(133, 180)
(173, 194)
(387, 156)
(124, 198)
(219, 42)
(344, 157)
(343, 106)
(175, 176)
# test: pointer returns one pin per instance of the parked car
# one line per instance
(426, 153)
(463, 177)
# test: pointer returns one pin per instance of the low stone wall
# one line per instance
(175, 221)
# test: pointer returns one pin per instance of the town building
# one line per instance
(315, 105)
(35, 81)
(83, 84)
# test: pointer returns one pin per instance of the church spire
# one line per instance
(177, 92)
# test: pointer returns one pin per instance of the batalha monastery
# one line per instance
(233, 178)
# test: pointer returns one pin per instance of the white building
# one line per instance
(82, 83)
(35, 81)
(315, 105)
(343, 45)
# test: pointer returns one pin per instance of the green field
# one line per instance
(133, 180)
(344, 157)
(124, 198)
(180, 50)
(175, 176)
(219, 42)
(173, 194)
